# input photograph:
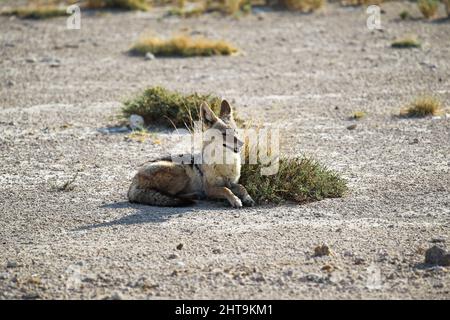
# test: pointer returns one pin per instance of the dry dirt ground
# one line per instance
(303, 73)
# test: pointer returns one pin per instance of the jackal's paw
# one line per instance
(248, 201)
(236, 202)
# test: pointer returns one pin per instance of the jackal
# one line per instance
(164, 182)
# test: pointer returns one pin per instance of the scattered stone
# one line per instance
(30, 60)
(437, 256)
(172, 256)
(313, 278)
(217, 251)
(180, 246)
(30, 296)
(358, 261)
(117, 296)
(71, 46)
(348, 253)
(322, 250)
(113, 130)
(11, 264)
(9, 83)
(52, 62)
(352, 127)
(438, 240)
(149, 56)
(289, 273)
(136, 122)
(4, 276)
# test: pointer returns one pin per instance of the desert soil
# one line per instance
(60, 90)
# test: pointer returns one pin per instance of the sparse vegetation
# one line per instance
(404, 15)
(141, 136)
(303, 5)
(230, 7)
(428, 7)
(358, 115)
(182, 46)
(118, 4)
(36, 12)
(298, 179)
(186, 13)
(423, 106)
(159, 106)
(407, 42)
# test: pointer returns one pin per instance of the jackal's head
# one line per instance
(222, 127)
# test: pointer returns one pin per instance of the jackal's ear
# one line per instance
(225, 110)
(206, 114)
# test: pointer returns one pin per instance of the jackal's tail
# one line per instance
(155, 198)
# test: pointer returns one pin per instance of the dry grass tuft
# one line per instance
(407, 42)
(358, 115)
(447, 7)
(36, 12)
(428, 8)
(423, 106)
(182, 46)
(303, 5)
(118, 4)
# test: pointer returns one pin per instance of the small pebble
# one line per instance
(149, 56)
(172, 256)
(437, 256)
(180, 246)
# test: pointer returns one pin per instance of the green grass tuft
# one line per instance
(423, 106)
(404, 15)
(36, 12)
(182, 46)
(159, 106)
(298, 179)
(407, 42)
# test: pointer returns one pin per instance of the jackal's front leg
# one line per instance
(241, 192)
(223, 193)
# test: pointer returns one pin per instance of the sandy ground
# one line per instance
(303, 73)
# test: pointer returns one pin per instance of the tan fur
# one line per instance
(164, 183)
